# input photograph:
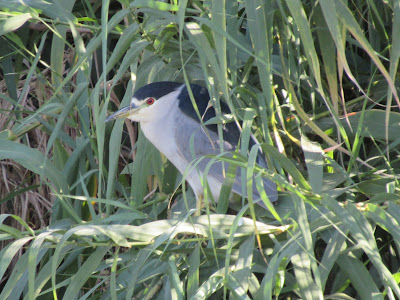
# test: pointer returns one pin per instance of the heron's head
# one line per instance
(149, 102)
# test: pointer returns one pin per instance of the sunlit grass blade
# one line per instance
(90, 265)
(314, 160)
(193, 273)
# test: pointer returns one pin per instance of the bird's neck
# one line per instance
(161, 128)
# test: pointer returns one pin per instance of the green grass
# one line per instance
(91, 210)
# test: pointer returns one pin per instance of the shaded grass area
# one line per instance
(93, 210)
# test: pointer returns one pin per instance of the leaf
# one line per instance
(359, 277)
(193, 273)
(85, 272)
(244, 262)
(176, 287)
(13, 23)
(374, 187)
(314, 160)
(34, 161)
(373, 124)
(302, 268)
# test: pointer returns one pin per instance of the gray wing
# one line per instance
(196, 141)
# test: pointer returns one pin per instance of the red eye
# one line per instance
(150, 101)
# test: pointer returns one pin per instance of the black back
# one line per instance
(230, 130)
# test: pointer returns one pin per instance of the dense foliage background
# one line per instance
(86, 218)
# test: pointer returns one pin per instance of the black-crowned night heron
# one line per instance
(170, 122)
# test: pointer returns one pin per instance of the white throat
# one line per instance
(159, 124)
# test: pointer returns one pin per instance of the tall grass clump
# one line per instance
(92, 210)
